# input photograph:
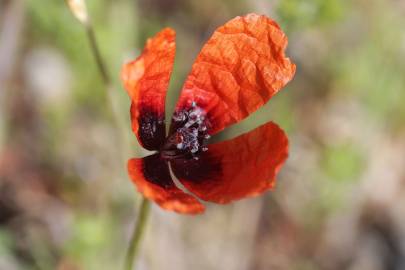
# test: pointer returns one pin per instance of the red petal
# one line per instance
(146, 80)
(238, 70)
(152, 178)
(242, 167)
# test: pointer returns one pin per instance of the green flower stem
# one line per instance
(117, 120)
(137, 234)
(97, 55)
(100, 64)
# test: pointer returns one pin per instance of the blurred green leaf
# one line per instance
(296, 14)
(342, 162)
(6, 242)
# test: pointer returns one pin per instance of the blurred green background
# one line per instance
(66, 201)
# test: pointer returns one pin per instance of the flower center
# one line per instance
(189, 138)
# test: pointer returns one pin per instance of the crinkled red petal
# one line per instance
(234, 169)
(152, 178)
(146, 80)
(237, 71)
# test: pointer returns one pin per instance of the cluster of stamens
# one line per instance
(190, 136)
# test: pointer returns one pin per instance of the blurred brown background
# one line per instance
(65, 199)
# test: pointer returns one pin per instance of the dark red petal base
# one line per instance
(152, 178)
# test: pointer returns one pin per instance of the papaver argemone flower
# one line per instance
(238, 70)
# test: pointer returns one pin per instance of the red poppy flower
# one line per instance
(238, 70)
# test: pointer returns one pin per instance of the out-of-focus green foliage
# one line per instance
(342, 163)
(6, 243)
(372, 68)
(91, 241)
(296, 14)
